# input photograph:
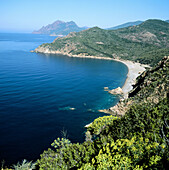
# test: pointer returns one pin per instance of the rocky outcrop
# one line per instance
(150, 87)
(106, 89)
(47, 49)
(42, 49)
(116, 91)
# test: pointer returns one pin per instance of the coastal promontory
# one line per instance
(146, 43)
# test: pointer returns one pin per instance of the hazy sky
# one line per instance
(29, 15)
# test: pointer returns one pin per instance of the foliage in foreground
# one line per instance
(24, 165)
(138, 140)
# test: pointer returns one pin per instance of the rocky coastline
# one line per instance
(47, 50)
(134, 70)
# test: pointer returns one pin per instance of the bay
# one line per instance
(37, 92)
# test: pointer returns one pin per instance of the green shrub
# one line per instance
(25, 165)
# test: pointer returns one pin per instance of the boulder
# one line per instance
(116, 91)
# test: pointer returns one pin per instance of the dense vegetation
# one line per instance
(146, 43)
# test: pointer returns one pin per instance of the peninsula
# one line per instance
(146, 43)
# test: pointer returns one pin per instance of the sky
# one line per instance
(29, 15)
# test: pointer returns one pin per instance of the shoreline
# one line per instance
(47, 51)
(134, 70)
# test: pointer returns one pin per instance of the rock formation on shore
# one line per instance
(151, 86)
(116, 91)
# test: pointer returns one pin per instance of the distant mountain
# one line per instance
(167, 21)
(146, 43)
(59, 28)
(128, 24)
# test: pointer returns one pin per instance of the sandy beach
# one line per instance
(134, 70)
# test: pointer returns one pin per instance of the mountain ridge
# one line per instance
(59, 28)
(128, 24)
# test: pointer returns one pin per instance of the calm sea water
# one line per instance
(37, 90)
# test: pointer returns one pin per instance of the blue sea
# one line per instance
(37, 92)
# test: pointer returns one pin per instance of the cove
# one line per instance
(37, 93)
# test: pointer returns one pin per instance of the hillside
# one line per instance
(59, 28)
(128, 24)
(150, 87)
(138, 140)
(146, 43)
